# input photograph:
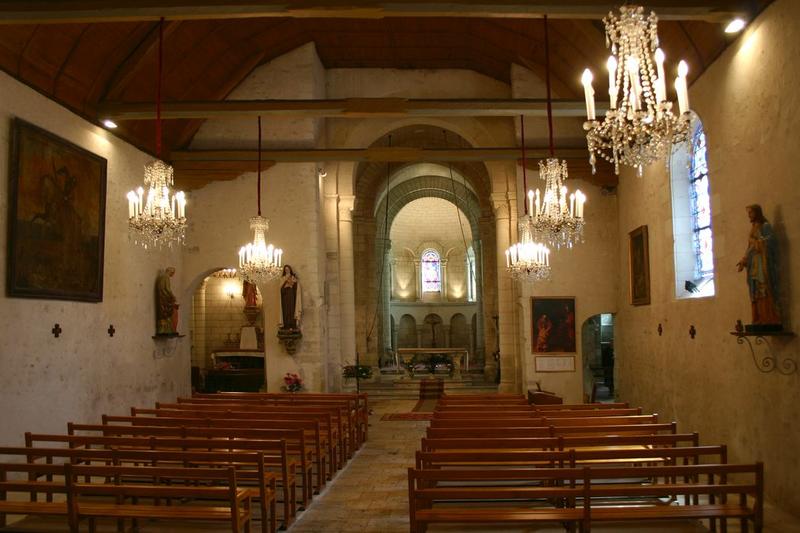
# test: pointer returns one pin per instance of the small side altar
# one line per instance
(236, 371)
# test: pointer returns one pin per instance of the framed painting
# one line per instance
(57, 213)
(553, 325)
(639, 266)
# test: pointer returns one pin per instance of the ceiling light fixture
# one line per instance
(554, 219)
(110, 124)
(160, 218)
(527, 260)
(259, 262)
(640, 125)
(735, 26)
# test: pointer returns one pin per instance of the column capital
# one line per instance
(500, 204)
(346, 204)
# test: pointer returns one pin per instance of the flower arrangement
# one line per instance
(359, 371)
(292, 383)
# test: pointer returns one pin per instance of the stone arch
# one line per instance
(432, 332)
(460, 332)
(407, 332)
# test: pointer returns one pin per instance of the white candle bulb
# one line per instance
(530, 202)
(612, 81)
(572, 205)
(588, 92)
(661, 87)
(131, 204)
(681, 87)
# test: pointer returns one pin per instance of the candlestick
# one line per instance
(530, 202)
(612, 81)
(681, 87)
(661, 88)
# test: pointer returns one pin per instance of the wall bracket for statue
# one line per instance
(290, 339)
(769, 362)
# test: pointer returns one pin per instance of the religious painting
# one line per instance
(553, 324)
(57, 194)
(639, 265)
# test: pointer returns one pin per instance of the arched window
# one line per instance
(431, 271)
(691, 217)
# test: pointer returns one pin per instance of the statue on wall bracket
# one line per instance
(289, 332)
(761, 263)
(166, 305)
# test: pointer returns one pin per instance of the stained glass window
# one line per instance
(700, 205)
(431, 271)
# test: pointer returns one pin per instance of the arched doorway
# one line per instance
(597, 338)
(227, 340)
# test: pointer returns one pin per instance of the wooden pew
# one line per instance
(530, 413)
(462, 489)
(23, 497)
(250, 466)
(312, 437)
(333, 423)
(285, 454)
(358, 403)
(580, 406)
(279, 465)
(559, 443)
(550, 431)
(137, 483)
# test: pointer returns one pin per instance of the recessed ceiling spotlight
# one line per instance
(110, 124)
(735, 26)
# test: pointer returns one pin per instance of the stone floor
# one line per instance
(370, 494)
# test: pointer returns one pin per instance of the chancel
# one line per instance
(521, 251)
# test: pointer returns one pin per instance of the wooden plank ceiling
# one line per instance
(85, 66)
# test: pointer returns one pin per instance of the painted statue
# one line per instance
(760, 261)
(166, 304)
(249, 294)
(291, 300)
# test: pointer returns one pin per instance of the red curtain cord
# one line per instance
(158, 86)
(547, 79)
(259, 166)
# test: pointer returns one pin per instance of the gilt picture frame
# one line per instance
(639, 266)
(56, 227)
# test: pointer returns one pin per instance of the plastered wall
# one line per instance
(46, 381)
(748, 103)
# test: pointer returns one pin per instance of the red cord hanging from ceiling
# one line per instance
(524, 163)
(158, 86)
(259, 166)
(547, 82)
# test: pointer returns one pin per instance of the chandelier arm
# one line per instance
(259, 166)
(158, 85)
(547, 83)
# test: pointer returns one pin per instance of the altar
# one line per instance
(236, 371)
(458, 357)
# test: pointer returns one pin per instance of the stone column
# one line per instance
(347, 278)
(333, 306)
(505, 298)
(417, 279)
(479, 352)
(383, 248)
(443, 266)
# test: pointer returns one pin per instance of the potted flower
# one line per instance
(357, 371)
(292, 383)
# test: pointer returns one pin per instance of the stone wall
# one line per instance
(748, 103)
(48, 381)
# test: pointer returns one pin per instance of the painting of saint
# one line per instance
(553, 325)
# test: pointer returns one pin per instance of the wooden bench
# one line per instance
(580, 406)
(280, 464)
(549, 431)
(358, 404)
(250, 466)
(559, 443)
(450, 496)
(310, 438)
(133, 485)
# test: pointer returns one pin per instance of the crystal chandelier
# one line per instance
(640, 124)
(553, 219)
(159, 218)
(527, 260)
(259, 262)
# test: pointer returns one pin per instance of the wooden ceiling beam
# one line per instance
(82, 11)
(344, 108)
(378, 154)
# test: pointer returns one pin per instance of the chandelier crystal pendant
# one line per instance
(557, 215)
(527, 260)
(641, 123)
(259, 262)
(158, 219)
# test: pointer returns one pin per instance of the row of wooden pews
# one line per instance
(495, 459)
(207, 457)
